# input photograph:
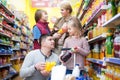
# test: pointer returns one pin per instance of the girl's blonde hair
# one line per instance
(66, 5)
(75, 22)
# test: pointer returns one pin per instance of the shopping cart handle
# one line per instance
(65, 49)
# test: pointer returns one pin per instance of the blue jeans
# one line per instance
(69, 71)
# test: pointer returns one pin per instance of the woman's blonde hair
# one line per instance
(66, 5)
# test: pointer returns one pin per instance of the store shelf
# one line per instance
(16, 49)
(113, 60)
(1, 54)
(3, 34)
(23, 48)
(6, 10)
(98, 38)
(17, 58)
(3, 44)
(16, 40)
(25, 41)
(6, 18)
(106, 60)
(96, 15)
(80, 8)
(97, 61)
(9, 76)
(8, 28)
(27, 27)
(6, 65)
(113, 22)
(82, 14)
(90, 2)
(24, 34)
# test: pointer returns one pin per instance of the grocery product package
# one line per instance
(58, 72)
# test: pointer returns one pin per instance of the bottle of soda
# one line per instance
(65, 57)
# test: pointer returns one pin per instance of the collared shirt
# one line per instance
(28, 71)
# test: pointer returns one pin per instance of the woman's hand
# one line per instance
(56, 36)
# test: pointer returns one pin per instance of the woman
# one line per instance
(66, 11)
(41, 26)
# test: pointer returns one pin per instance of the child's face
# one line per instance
(44, 16)
(71, 30)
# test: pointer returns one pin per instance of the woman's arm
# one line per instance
(36, 33)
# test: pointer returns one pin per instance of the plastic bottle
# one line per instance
(76, 71)
(102, 50)
(63, 29)
(66, 56)
(96, 51)
(117, 42)
(118, 7)
(90, 33)
(114, 8)
(109, 47)
(109, 10)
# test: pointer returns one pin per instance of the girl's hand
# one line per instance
(76, 49)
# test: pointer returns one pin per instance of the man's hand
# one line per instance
(40, 66)
(44, 72)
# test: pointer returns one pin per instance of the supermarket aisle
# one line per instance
(101, 26)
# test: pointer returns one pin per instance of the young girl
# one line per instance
(41, 26)
(76, 41)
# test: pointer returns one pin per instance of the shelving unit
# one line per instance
(14, 48)
(3, 34)
(5, 65)
(98, 60)
(17, 58)
(5, 44)
(95, 15)
(105, 60)
(6, 9)
(80, 16)
(98, 38)
(113, 60)
(113, 22)
(9, 76)
(8, 20)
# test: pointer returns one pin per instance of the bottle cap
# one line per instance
(76, 64)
